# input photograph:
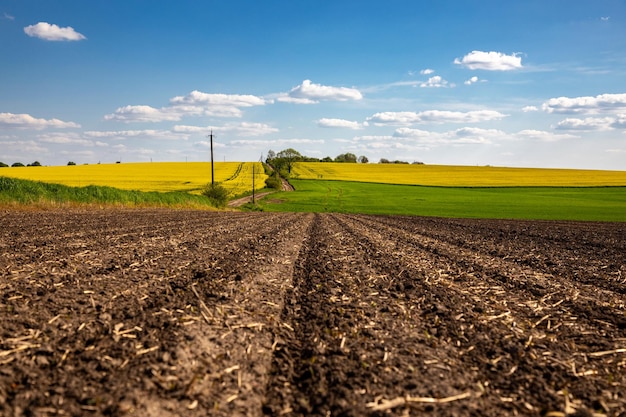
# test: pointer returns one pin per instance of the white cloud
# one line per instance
(542, 135)
(64, 139)
(463, 136)
(7, 16)
(427, 71)
(48, 32)
(588, 123)
(340, 123)
(310, 93)
(26, 121)
(143, 114)
(434, 116)
(434, 82)
(528, 109)
(195, 103)
(219, 105)
(471, 81)
(603, 103)
(490, 61)
(23, 147)
(137, 134)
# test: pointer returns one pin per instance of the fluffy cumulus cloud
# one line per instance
(593, 123)
(434, 116)
(427, 71)
(462, 136)
(26, 121)
(603, 103)
(471, 81)
(220, 105)
(528, 109)
(490, 61)
(310, 93)
(435, 82)
(52, 32)
(143, 113)
(195, 103)
(340, 123)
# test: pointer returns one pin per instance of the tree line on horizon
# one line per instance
(284, 160)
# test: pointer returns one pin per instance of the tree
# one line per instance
(17, 164)
(327, 159)
(286, 158)
(71, 163)
(3, 165)
(363, 159)
(35, 164)
(270, 156)
(384, 161)
(346, 157)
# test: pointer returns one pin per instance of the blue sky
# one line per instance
(534, 83)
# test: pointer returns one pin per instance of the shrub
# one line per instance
(71, 163)
(274, 182)
(3, 165)
(217, 194)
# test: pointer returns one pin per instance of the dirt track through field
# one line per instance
(186, 313)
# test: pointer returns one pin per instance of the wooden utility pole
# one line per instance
(212, 171)
(253, 172)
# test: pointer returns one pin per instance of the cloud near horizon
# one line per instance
(490, 61)
(603, 103)
(434, 116)
(195, 103)
(340, 123)
(52, 32)
(26, 121)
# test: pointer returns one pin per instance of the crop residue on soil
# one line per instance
(185, 313)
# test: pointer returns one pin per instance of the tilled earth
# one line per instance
(187, 313)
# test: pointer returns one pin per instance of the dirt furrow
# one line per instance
(106, 336)
(170, 313)
(537, 330)
(589, 253)
(366, 332)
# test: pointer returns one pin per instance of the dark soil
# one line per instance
(188, 313)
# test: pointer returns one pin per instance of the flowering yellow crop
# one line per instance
(457, 176)
(158, 176)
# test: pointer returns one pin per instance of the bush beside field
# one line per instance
(25, 192)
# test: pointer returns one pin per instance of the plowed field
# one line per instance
(183, 313)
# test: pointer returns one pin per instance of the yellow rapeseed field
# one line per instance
(457, 176)
(158, 176)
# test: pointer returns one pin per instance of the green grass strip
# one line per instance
(26, 192)
(532, 203)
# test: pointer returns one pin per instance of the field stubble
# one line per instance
(168, 313)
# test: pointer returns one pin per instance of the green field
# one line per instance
(539, 203)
